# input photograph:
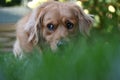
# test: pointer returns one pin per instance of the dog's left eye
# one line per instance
(51, 27)
(69, 25)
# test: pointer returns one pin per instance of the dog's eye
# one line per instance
(51, 27)
(69, 25)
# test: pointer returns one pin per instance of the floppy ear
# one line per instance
(33, 25)
(33, 33)
(85, 21)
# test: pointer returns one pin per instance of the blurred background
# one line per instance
(95, 58)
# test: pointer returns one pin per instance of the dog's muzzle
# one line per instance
(61, 43)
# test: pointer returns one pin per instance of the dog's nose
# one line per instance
(61, 43)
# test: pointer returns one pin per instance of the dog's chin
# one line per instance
(57, 49)
(54, 49)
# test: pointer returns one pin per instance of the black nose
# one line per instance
(61, 43)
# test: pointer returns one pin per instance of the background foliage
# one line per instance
(107, 14)
(9, 2)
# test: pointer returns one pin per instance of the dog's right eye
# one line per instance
(51, 27)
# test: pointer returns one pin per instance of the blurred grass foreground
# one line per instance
(94, 58)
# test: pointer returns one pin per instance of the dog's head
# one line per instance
(55, 24)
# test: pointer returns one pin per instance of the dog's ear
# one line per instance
(33, 25)
(85, 21)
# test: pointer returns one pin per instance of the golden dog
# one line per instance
(51, 24)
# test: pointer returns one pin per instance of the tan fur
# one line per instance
(32, 30)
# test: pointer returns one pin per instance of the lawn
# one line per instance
(95, 58)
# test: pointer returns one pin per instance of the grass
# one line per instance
(97, 58)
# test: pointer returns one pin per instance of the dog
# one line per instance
(52, 24)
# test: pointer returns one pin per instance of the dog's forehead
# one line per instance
(58, 12)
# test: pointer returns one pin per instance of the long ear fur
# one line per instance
(31, 27)
(85, 21)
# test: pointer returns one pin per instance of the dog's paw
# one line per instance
(17, 51)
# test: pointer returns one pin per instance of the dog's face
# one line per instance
(57, 23)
